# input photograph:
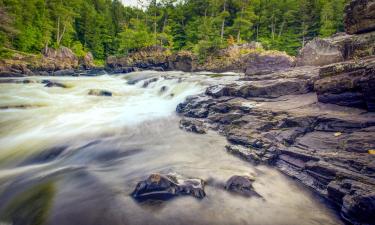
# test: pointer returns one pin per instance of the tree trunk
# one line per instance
(223, 23)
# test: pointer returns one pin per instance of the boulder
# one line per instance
(339, 47)
(98, 92)
(319, 52)
(242, 185)
(183, 61)
(359, 16)
(267, 62)
(88, 61)
(164, 187)
(192, 125)
(62, 56)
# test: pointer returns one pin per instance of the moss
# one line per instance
(32, 206)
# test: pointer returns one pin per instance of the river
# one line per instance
(69, 158)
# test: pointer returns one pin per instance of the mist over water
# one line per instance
(70, 158)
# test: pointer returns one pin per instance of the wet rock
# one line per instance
(164, 187)
(242, 185)
(163, 89)
(359, 16)
(11, 74)
(149, 81)
(49, 84)
(98, 92)
(192, 125)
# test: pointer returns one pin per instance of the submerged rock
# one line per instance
(98, 92)
(49, 84)
(242, 185)
(164, 187)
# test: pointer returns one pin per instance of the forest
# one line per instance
(107, 27)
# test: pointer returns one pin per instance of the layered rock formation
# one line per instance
(349, 83)
(360, 16)
(283, 119)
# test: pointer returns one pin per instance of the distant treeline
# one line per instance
(106, 27)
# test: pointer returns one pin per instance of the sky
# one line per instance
(129, 2)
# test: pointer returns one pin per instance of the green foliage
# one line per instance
(106, 27)
(135, 36)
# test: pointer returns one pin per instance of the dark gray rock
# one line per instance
(49, 84)
(164, 187)
(242, 185)
(258, 64)
(359, 16)
(350, 83)
(98, 92)
(11, 74)
(192, 125)
(67, 72)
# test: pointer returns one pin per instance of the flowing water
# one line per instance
(68, 158)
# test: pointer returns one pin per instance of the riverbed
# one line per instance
(67, 157)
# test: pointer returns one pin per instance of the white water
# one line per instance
(113, 142)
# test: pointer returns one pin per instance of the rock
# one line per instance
(242, 185)
(63, 56)
(359, 16)
(183, 61)
(49, 83)
(67, 72)
(163, 187)
(11, 74)
(163, 89)
(192, 125)
(98, 92)
(339, 47)
(350, 83)
(319, 52)
(88, 61)
(357, 199)
(153, 57)
(149, 81)
(258, 64)
(296, 133)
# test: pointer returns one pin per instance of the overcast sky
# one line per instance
(129, 2)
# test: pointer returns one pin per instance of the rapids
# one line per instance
(69, 158)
